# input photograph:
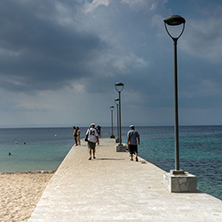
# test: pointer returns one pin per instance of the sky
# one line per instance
(60, 60)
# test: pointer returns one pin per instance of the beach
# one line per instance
(20, 193)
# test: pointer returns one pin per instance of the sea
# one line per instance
(200, 150)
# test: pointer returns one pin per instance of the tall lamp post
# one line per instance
(117, 108)
(112, 108)
(119, 88)
(177, 180)
(175, 20)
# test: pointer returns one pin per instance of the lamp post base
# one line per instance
(177, 172)
(180, 183)
(120, 148)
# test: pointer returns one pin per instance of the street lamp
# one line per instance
(119, 88)
(112, 108)
(117, 108)
(177, 180)
(175, 20)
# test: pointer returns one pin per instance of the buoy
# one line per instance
(55, 135)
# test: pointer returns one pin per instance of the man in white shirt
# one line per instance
(93, 138)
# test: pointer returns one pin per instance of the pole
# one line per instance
(175, 20)
(176, 107)
(117, 108)
(117, 120)
(120, 139)
(112, 121)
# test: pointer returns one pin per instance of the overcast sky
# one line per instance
(60, 60)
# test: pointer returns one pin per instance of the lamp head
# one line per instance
(174, 20)
(119, 86)
(111, 108)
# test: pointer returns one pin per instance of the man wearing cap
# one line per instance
(92, 136)
(133, 138)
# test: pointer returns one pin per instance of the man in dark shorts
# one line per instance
(93, 138)
(133, 138)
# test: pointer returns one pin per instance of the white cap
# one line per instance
(131, 126)
(92, 124)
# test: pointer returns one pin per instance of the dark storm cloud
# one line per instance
(56, 55)
(39, 53)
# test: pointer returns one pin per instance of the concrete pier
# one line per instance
(113, 188)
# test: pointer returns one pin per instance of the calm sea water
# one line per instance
(200, 150)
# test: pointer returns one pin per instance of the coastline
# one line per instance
(20, 193)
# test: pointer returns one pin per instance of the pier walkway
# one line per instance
(113, 188)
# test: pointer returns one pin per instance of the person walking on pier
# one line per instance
(75, 135)
(78, 135)
(98, 128)
(93, 138)
(133, 138)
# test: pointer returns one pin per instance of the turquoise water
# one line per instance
(200, 150)
(200, 153)
(41, 151)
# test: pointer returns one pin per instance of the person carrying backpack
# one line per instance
(93, 138)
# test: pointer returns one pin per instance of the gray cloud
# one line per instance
(64, 56)
(40, 53)
(204, 39)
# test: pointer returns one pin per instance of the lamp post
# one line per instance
(119, 88)
(175, 20)
(177, 180)
(112, 108)
(117, 108)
